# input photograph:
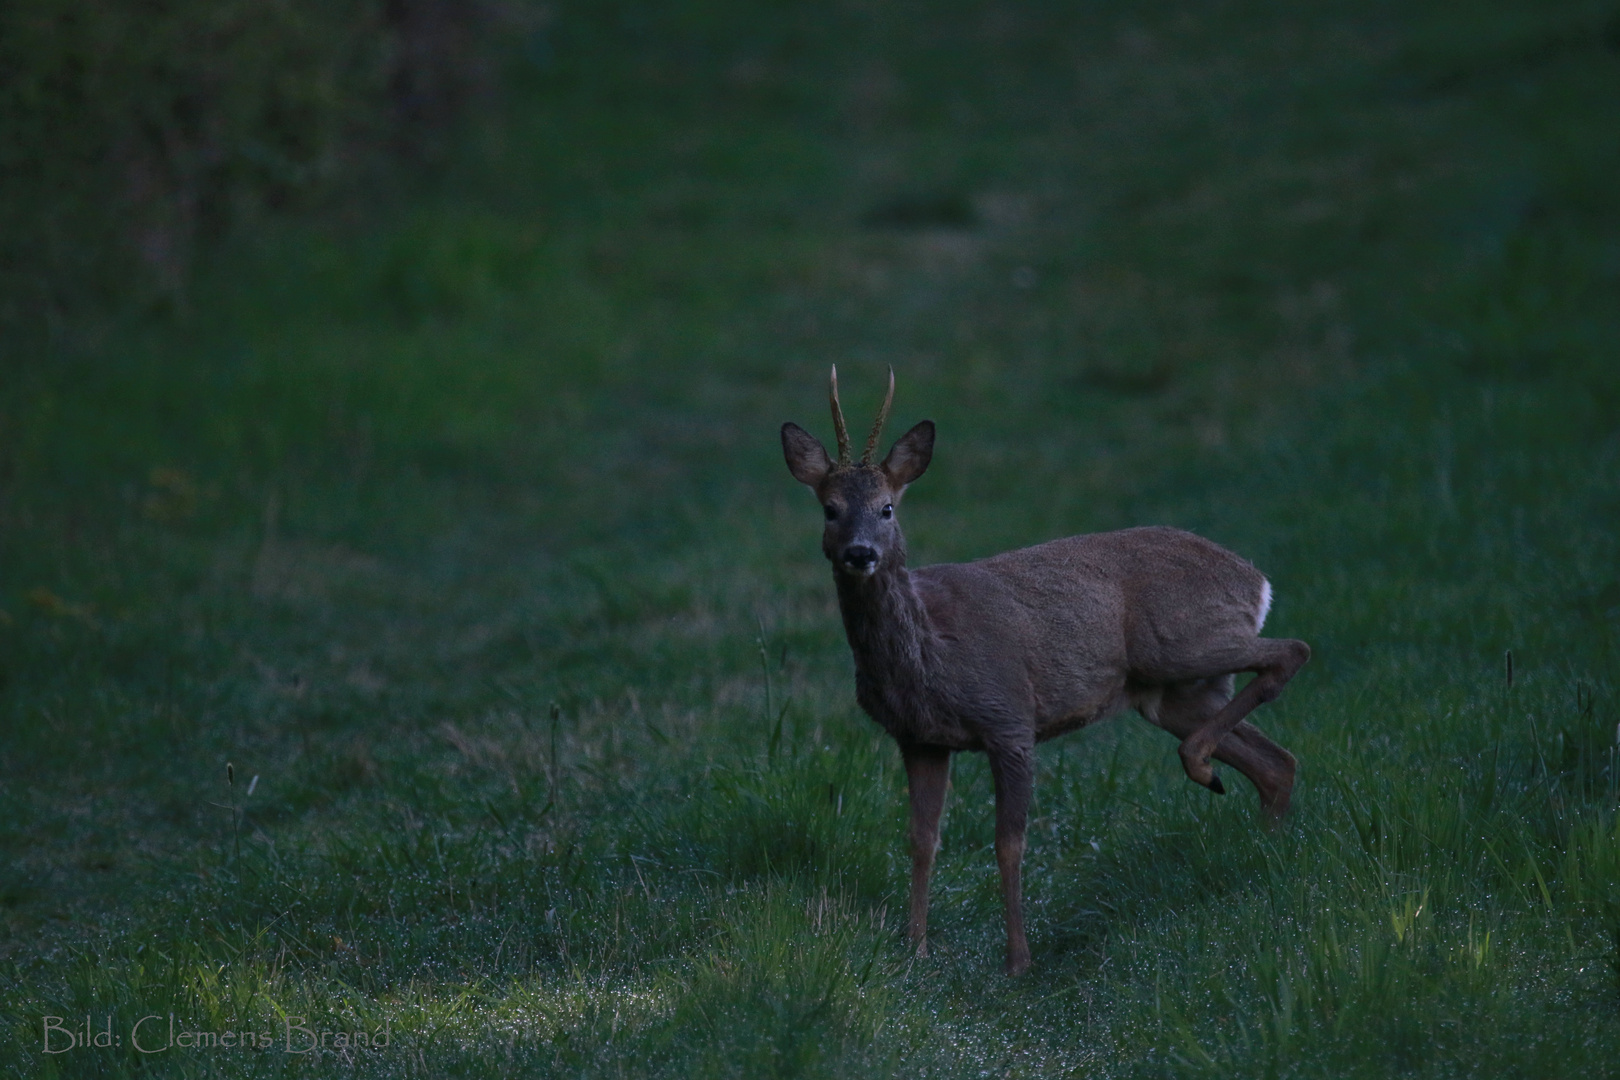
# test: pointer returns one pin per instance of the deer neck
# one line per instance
(888, 632)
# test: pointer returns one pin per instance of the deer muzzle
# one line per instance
(861, 559)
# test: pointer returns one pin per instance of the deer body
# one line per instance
(1001, 653)
(1037, 642)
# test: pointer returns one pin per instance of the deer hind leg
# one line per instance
(1274, 661)
(1183, 708)
(1014, 773)
(928, 775)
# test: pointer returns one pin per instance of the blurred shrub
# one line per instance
(132, 131)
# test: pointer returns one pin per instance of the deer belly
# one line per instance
(1049, 725)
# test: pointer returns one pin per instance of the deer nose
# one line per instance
(859, 557)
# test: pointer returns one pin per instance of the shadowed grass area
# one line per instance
(458, 528)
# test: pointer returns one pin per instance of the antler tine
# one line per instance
(877, 426)
(838, 421)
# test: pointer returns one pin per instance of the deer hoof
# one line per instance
(1199, 770)
(1017, 965)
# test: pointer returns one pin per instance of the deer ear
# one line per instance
(910, 456)
(807, 459)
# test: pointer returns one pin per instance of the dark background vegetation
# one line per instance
(406, 618)
(134, 133)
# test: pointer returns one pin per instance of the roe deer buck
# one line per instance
(999, 654)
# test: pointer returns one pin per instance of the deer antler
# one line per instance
(838, 421)
(877, 426)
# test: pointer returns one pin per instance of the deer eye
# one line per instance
(831, 511)
(888, 510)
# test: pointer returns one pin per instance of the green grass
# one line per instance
(459, 522)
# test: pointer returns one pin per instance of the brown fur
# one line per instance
(999, 654)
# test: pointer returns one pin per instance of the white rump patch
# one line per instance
(1265, 605)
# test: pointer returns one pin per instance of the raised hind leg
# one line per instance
(1274, 661)
(1184, 708)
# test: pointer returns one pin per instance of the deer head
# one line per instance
(858, 499)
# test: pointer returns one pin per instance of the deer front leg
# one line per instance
(928, 774)
(1014, 772)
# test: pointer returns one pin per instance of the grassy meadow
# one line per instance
(417, 631)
